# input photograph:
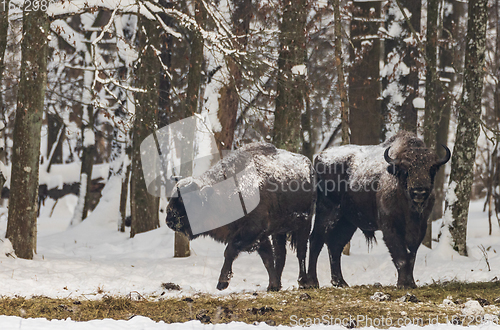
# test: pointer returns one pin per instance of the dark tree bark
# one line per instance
(452, 33)
(344, 102)
(144, 206)
(166, 47)
(55, 135)
(339, 64)
(88, 154)
(195, 63)
(4, 27)
(124, 198)
(432, 110)
(432, 113)
(21, 226)
(365, 116)
(291, 85)
(468, 126)
(229, 98)
(181, 242)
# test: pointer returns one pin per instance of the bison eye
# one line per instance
(392, 169)
(397, 170)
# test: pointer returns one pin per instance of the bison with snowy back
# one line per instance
(386, 187)
(277, 190)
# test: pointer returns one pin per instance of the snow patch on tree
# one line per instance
(88, 137)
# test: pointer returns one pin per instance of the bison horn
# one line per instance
(446, 158)
(389, 159)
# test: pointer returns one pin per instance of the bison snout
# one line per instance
(419, 195)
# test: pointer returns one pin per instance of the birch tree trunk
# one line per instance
(291, 85)
(468, 126)
(21, 226)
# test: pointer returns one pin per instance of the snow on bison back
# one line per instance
(254, 192)
(386, 187)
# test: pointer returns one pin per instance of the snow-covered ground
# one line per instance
(93, 259)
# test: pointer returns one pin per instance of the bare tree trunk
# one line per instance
(144, 206)
(181, 242)
(87, 159)
(450, 34)
(496, 159)
(344, 102)
(88, 153)
(464, 152)
(229, 98)
(431, 119)
(365, 115)
(291, 86)
(432, 111)
(124, 198)
(54, 126)
(339, 64)
(4, 27)
(21, 226)
(407, 111)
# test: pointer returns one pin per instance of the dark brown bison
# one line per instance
(386, 187)
(277, 190)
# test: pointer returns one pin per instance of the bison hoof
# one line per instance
(222, 285)
(309, 284)
(410, 285)
(340, 284)
(303, 284)
(273, 287)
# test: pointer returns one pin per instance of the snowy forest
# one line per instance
(84, 82)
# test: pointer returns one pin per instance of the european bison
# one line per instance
(386, 187)
(284, 182)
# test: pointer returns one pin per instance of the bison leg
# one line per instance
(301, 237)
(279, 244)
(265, 251)
(403, 258)
(230, 254)
(338, 237)
(317, 240)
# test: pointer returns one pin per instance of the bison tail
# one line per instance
(370, 238)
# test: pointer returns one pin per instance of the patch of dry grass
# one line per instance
(352, 306)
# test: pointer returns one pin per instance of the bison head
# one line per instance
(177, 218)
(194, 210)
(415, 169)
